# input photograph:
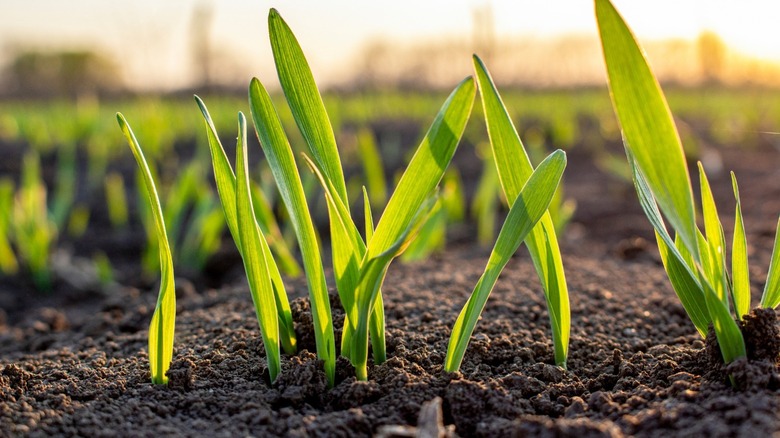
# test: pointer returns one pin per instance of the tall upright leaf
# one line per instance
(740, 276)
(162, 326)
(309, 113)
(514, 170)
(226, 188)
(254, 250)
(305, 101)
(647, 124)
(409, 204)
(695, 263)
(771, 296)
(282, 162)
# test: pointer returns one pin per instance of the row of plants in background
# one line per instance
(695, 261)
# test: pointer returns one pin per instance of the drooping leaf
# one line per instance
(162, 326)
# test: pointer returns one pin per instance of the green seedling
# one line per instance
(203, 236)
(192, 218)
(529, 206)
(359, 265)
(33, 232)
(162, 326)
(65, 185)
(78, 220)
(116, 200)
(104, 269)
(274, 315)
(695, 262)
(484, 206)
(8, 263)
(270, 228)
(373, 170)
(449, 209)
(514, 170)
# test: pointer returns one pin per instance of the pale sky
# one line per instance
(150, 39)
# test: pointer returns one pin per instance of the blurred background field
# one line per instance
(70, 214)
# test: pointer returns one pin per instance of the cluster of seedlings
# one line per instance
(695, 261)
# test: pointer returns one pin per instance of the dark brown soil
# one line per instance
(75, 363)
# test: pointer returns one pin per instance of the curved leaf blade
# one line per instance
(282, 162)
(254, 251)
(646, 122)
(771, 296)
(740, 275)
(305, 101)
(514, 169)
(528, 208)
(162, 327)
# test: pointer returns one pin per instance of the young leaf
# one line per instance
(646, 123)
(740, 276)
(715, 242)
(514, 168)
(282, 162)
(226, 188)
(409, 204)
(305, 101)
(163, 320)
(254, 255)
(525, 212)
(676, 258)
(771, 297)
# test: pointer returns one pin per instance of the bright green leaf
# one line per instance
(163, 320)
(528, 208)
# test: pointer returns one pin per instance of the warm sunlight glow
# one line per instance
(153, 42)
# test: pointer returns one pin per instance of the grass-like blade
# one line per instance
(730, 340)
(163, 320)
(646, 123)
(373, 170)
(686, 286)
(525, 212)
(348, 251)
(715, 241)
(282, 162)
(270, 228)
(677, 260)
(305, 101)
(8, 263)
(661, 177)
(309, 113)
(377, 326)
(514, 168)
(226, 188)
(740, 276)
(771, 296)
(254, 256)
(408, 205)
(426, 168)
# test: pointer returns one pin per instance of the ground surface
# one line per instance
(75, 363)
